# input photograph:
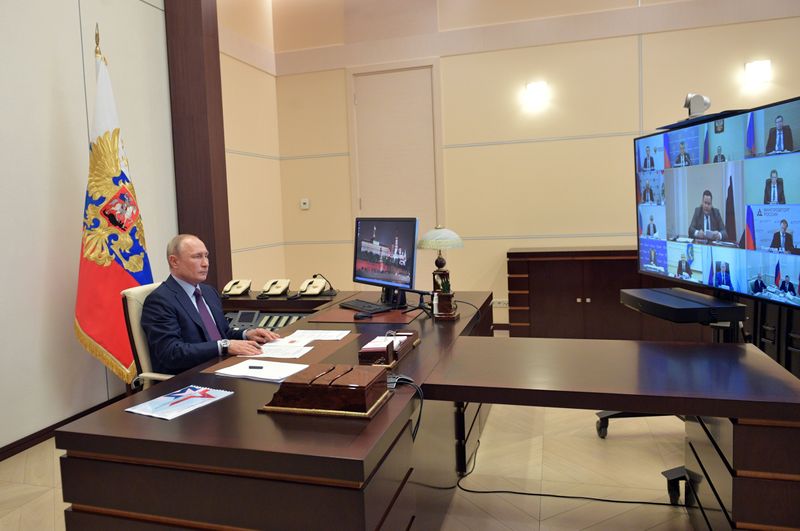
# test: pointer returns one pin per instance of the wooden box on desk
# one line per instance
(335, 390)
(388, 356)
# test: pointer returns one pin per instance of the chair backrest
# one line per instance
(132, 305)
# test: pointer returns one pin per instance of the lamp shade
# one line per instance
(440, 238)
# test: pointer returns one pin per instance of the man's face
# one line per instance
(784, 226)
(647, 184)
(779, 123)
(719, 150)
(683, 257)
(682, 148)
(759, 276)
(647, 150)
(191, 262)
(723, 267)
(774, 176)
(787, 278)
(707, 204)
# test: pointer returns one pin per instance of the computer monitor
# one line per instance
(384, 255)
(718, 202)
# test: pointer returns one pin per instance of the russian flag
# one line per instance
(711, 269)
(667, 160)
(641, 227)
(750, 230)
(778, 274)
(750, 146)
(113, 255)
(706, 151)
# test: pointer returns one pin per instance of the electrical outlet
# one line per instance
(500, 303)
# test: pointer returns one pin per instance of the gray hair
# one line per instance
(174, 245)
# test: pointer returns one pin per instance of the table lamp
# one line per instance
(438, 239)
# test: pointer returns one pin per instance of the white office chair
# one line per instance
(132, 305)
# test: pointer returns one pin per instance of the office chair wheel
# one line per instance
(602, 428)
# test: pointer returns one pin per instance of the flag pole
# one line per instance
(97, 52)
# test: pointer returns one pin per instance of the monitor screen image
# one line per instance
(718, 202)
(385, 252)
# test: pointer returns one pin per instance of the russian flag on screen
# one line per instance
(639, 214)
(706, 153)
(751, 135)
(667, 161)
(711, 269)
(778, 274)
(750, 231)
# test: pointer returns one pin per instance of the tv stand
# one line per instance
(394, 297)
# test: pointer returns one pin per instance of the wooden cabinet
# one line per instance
(575, 294)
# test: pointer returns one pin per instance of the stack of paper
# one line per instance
(179, 402)
(268, 371)
(381, 342)
(317, 335)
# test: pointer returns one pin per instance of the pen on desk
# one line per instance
(255, 367)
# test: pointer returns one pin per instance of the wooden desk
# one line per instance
(283, 304)
(743, 425)
(226, 464)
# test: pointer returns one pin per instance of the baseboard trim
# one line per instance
(33, 439)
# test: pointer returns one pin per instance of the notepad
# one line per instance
(256, 369)
(177, 403)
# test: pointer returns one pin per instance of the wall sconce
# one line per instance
(757, 74)
(535, 97)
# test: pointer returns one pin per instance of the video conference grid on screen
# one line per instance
(719, 203)
(384, 251)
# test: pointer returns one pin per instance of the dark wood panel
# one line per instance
(604, 317)
(555, 288)
(771, 504)
(201, 186)
(518, 282)
(705, 510)
(749, 455)
(517, 267)
(718, 380)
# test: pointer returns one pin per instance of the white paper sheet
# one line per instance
(271, 350)
(256, 369)
(176, 403)
(319, 335)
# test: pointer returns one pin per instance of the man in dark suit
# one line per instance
(707, 222)
(683, 267)
(647, 162)
(773, 190)
(780, 137)
(647, 193)
(683, 158)
(723, 276)
(782, 240)
(719, 157)
(758, 285)
(787, 286)
(183, 318)
(651, 227)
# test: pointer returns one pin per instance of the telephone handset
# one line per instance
(236, 287)
(275, 287)
(312, 286)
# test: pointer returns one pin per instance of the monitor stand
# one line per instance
(394, 297)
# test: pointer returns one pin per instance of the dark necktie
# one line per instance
(205, 316)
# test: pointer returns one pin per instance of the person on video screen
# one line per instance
(723, 276)
(758, 285)
(684, 269)
(773, 190)
(719, 157)
(783, 241)
(787, 286)
(647, 162)
(707, 222)
(647, 193)
(780, 137)
(651, 227)
(683, 158)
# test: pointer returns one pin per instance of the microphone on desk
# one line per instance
(328, 292)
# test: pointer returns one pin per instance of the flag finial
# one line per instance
(97, 40)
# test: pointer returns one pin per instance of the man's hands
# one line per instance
(240, 347)
(261, 336)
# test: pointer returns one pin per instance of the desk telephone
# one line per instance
(312, 286)
(236, 287)
(276, 287)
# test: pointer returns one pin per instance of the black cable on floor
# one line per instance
(549, 495)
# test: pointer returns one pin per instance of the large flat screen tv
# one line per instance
(718, 203)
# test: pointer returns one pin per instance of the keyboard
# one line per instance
(365, 306)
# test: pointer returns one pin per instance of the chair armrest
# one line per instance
(147, 377)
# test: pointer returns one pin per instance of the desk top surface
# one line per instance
(723, 380)
(232, 434)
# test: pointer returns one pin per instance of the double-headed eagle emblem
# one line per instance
(112, 225)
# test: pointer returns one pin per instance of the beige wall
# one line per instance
(47, 101)
(559, 178)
